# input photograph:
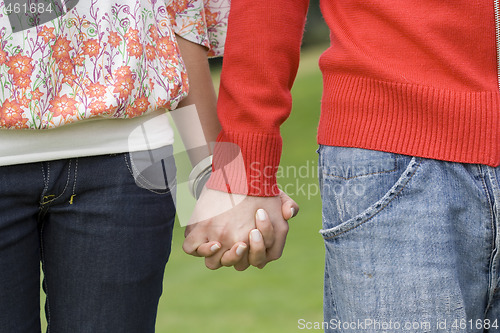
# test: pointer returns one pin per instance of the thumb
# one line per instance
(289, 208)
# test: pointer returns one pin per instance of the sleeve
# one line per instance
(202, 21)
(260, 64)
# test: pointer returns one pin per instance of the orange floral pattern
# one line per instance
(210, 27)
(63, 106)
(20, 65)
(96, 90)
(112, 59)
(47, 33)
(11, 114)
(140, 105)
(36, 94)
(99, 107)
(91, 47)
(114, 39)
(61, 48)
(3, 57)
(134, 49)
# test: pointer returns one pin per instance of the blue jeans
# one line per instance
(103, 242)
(412, 244)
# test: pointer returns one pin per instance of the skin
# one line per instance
(235, 228)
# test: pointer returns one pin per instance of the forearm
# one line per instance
(202, 95)
(260, 63)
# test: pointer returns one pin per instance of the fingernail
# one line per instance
(261, 214)
(255, 235)
(293, 212)
(215, 247)
(240, 249)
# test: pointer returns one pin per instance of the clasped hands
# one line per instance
(237, 230)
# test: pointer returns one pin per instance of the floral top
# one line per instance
(115, 59)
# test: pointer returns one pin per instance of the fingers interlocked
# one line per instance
(234, 239)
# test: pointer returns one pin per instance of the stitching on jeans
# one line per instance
(485, 189)
(496, 193)
(391, 196)
(131, 165)
(52, 196)
(366, 174)
(73, 194)
(48, 175)
(42, 257)
(141, 177)
(45, 179)
(493, 227)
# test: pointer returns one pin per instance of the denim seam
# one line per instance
(52, 196)
(490, 204)
(73, 194)
(379, 207)
(45, 179)
(366, 174)
(42, 257)
(494, 243)
(132, 166)
(485, 189)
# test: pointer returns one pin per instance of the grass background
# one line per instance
(271, 300)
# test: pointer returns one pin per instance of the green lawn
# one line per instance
(271, 300)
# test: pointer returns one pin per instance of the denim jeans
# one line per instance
(103, 242)
(411, 243)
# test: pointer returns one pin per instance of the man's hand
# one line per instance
(224, 225)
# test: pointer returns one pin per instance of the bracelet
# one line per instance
(198, 177)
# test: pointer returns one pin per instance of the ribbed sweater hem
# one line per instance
(410, 119)
(246, 163)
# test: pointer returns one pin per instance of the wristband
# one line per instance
(198, 177)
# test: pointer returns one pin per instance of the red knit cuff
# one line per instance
(246, 163)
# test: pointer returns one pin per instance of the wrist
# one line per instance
(198, 177)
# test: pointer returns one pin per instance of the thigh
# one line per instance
(408, 242)
(105, 246)
(20, 186)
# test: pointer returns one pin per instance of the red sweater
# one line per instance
(415, 77)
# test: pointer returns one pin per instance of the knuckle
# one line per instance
(261, 266)
(268, 229)
(227, 264)
(261, 263)
(282, 230)
(274, 256)
(240, 268)
(187, 248)
(212, 266)
(228, 260)
(201, 252)
(225, 234)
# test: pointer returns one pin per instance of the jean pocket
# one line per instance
(356, 184)
(154, 169)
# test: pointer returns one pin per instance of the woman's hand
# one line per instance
(251, 232)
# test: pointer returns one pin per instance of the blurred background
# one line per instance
(272, 300)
